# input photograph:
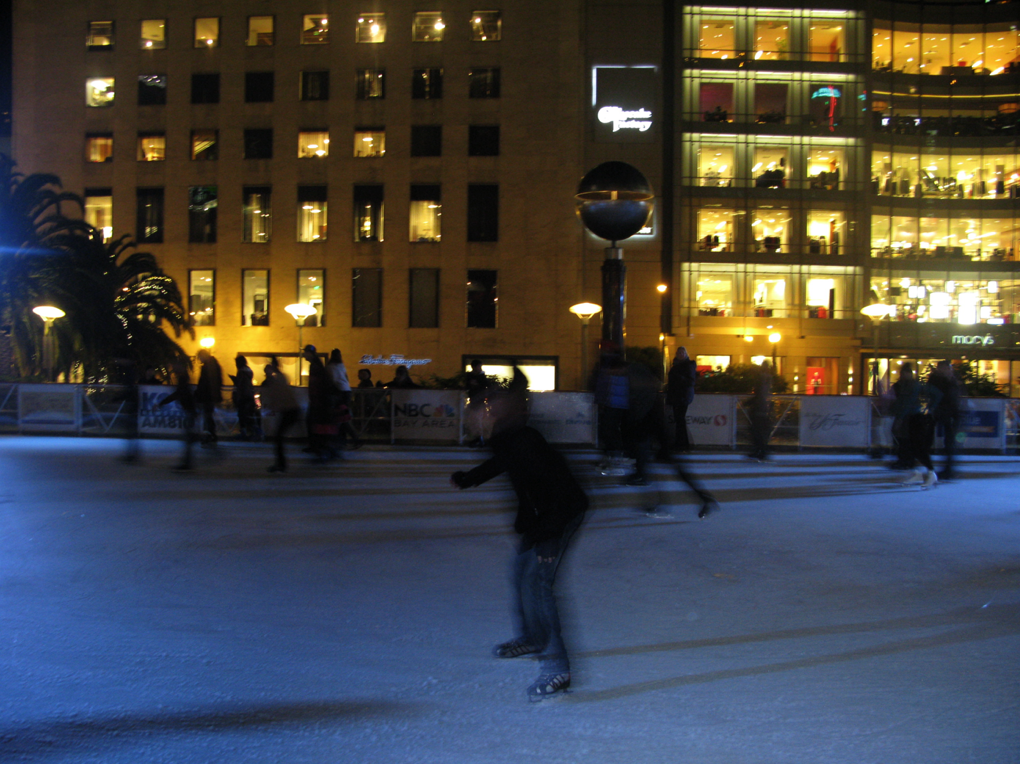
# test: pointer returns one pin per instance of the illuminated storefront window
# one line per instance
(714, 295)
(716, 165)
(770, 227)
(962, 299)
(716, 229)
(717, 38)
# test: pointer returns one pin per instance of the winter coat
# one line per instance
(948, 407)
(680, 387)
(549, 497)
(210, 383)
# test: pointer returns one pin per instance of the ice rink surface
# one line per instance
(346, 613)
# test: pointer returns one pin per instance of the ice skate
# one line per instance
(914, 477)
(514, 648)
(548, 686)
(930, 480)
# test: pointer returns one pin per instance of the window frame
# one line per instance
(208, 214)
(363, 91)
(249, 230)
(430, 310)
(307, 78)
(93, 34)
(89, 147)
(206, 42)
(210, 154)
(259, 87)
(192, 294)
(151, 95)
(142, 154)
(366, 299)
(251, 294)
(484, 82)
(254, 34)
(144, 216)
(474, 306)
(258, 143)
(426, 140)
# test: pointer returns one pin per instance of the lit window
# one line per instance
(313, 144)
(771, 40)
(828, 41)
(369, 142)
(257, 214)
(260, 30)
(371, 28)
(426, 214)
(100, 36)
(428, 27)
(368, 213)
(311, 290)
(315, 29)
(715, 165)
(714, 295)
(770, 227)
(207, 32)
(826, 232)
(311, 213)
(151, 147)
(202, 297)
(202, 214)
(716, 38)
(204, 144)
(153, 35)
(255, 297)
(99, 92)
(486, 26)
(99, 148)
(99, 211)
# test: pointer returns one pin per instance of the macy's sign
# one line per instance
(973, 339)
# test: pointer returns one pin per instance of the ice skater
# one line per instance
(916, 427)
(551, 506)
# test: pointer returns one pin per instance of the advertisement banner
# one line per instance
(427, 415)
(564, 417)
(982, 424)
(835, 421)
(49, 408)
(711, 420)
(156, 420)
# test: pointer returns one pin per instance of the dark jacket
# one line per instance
(548, 495)
(680, 387)
(948, 407)
(210, 383)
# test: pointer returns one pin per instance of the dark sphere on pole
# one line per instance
(616, 200)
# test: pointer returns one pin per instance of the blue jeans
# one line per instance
(535, 612)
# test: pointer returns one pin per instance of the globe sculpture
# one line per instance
(615, 202)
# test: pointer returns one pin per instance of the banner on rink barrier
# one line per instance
(427, 415)
(49, 408)
(835, 421)
(564, 417)
(711, 420)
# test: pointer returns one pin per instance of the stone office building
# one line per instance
(409, 170)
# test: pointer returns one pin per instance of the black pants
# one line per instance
(288, 419)
(919, 434)
(950, 427)
(681, 442)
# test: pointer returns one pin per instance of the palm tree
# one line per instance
(34, 235)
(117, 305)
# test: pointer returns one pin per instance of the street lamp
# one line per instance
(48, 314)
(876, 312)
(774, 339)
(301, 311)
(584, 311)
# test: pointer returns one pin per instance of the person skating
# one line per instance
(278, 397)
(947, 413)
(915, 425)
(761, 424)
(209, 394)
(551, 506)
(680, 394)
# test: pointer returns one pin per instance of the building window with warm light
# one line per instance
(426, 213)
(769, 295)
(100, 35)
(260, 30)
(771, 39)
(315, 29)
(315, 86)
(99, 211)
(482, 299)
(423, 289)
(714, 294)
(716, 229)
(426, 140)
(370, 84)
(254, 297)
(483, 140)
(311, 290)
(202, 297)
(369, 142)
(827, 41)
(149, 223)
(258, 87)
(368, 213)
(824, 296)
(484, 82)
(371, 28)
(99, 92)
(257, 214)
(258, 143)
(152, 90)
(770, 227)
(313, 144)
(205, 88)
(151, 147)
(207, 32)
(715, 101)
(826, 232)
(202, 214)
(311, 213)
(366, 297)
(486, 26)
(771, 103)
(716, 164)
(717, 38)
(153, 35)
(771, 165)
(99, 147)
(427, 27)
(427, 84)
(204, 145)
(825, 168)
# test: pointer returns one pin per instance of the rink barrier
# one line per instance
(800, 422)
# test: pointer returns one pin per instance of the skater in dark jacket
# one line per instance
(551, 507)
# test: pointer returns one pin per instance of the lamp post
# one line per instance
(301, 311)
(584, 311)
(876, 312)
(48, 314)
(616, 201)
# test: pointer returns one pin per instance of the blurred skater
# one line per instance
(680, 394)
(319, 417)
(278, 397)
(209, 394)
(761, 424)
(340, 392)
(244, 400)
(184, 396)
(914, 426)
(947, 413)
(551, 506)
(127, 377)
